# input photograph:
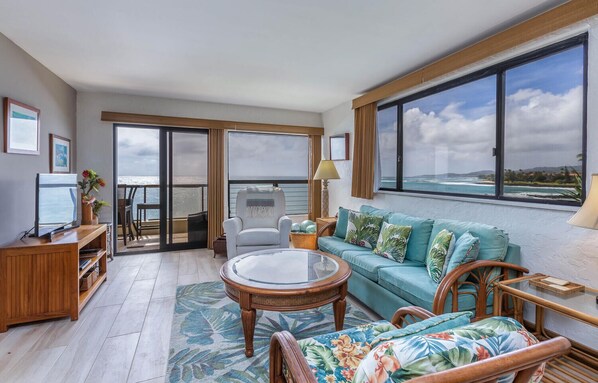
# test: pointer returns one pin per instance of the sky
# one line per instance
(454, 131)
(252, 155)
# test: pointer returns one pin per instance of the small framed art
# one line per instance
(60, 154)
(339, 147)
(21, 128)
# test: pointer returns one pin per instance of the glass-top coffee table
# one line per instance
(285, 280)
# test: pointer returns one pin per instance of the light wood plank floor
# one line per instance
(123, 333)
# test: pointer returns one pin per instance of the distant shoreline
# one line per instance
(535, 184)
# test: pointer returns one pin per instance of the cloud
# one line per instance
(541, 129)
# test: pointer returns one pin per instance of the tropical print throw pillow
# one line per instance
(406, 358)
(392, 241)
(363, 229)
(440, 250)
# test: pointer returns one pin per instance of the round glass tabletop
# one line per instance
(284, 266)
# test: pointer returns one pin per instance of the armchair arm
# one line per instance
(400, 317)
(285, 351)
(284, 228)
(329, 225)
(232, 228)
(483, 272)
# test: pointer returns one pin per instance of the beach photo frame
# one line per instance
(21, 128)
(339, 147)
(60, 154)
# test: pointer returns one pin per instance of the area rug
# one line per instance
(207, 343)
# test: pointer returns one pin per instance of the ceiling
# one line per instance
(294, 54)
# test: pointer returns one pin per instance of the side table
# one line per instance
(321, 222)
(582, 364)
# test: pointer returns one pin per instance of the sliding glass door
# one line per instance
(161, 191)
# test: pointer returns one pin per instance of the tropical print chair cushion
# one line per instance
(334, 357)
(392, 241)
(406, 358)
(440, 249)
(363, 229)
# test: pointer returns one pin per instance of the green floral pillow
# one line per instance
(363, 229)
(392, 242)
(439, 252)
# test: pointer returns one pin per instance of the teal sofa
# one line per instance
(383, 284)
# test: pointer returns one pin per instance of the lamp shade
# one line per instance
(326, 171)
(587, 215)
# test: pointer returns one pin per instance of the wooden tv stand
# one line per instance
(40, 279)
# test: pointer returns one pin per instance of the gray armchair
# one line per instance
(260, 222)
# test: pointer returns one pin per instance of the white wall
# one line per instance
(26, 80)
(94, 137)
(548, 244)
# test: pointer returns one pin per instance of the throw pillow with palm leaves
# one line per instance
(392, 242)
(363, 229)
(440, 250)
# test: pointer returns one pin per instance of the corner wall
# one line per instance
(26, 80)
(95, 137)
(548, 244)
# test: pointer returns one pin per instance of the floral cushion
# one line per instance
(440, 250)
(406, 358)
(392, 242)
(363, 229)
(334, 357)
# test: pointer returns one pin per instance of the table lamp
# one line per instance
(326, 171)
(587, 215)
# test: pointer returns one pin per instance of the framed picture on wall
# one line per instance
(21, 128)
(60, 154)
(339, 147)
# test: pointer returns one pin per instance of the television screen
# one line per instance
(56, 203)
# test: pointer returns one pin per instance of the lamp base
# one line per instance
(324, 198)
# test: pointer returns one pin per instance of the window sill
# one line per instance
(525, 205)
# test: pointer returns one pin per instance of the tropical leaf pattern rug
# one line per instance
(207, 343)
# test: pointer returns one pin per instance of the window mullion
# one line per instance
(400, 147)
(500, 134)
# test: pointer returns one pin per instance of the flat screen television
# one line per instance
(56, 201)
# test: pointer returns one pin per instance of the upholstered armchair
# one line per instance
(260, 222)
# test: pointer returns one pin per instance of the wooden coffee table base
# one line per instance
(249, 302)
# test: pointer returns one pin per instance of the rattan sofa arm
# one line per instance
(285, 351)
(481, 271)
(400, 316)
(524, 362)
(329, 225)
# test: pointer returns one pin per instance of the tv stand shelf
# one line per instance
(39, 278)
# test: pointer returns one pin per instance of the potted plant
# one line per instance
(90, 183)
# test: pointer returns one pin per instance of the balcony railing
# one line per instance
(295, 192)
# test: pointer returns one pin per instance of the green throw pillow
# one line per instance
(363, 229)
(392, 242)
(441, 249)
(466, 250)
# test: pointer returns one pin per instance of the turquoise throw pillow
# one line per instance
(363, 229)
(392, 242)
(341, 223)
(432, 325)
(466, 250)
(441, 249)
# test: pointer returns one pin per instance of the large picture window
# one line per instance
(512, 131)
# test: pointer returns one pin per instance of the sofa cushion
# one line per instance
(392, 241)
(418, 355)
(432, 325)
(363, 229)
(262, 236)
(466, 250)
(338, 246)
(414, 285)
(338, 354)
(421, 228)
(493, 241)
(368, 264)
(340, 229)
(441, 249)
(366, 209)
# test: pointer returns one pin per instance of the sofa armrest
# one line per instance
(524, 363)
(328, 226)
(284, 228)
(232, 228)
(484, 275)
(408, 315)
(285, 352)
